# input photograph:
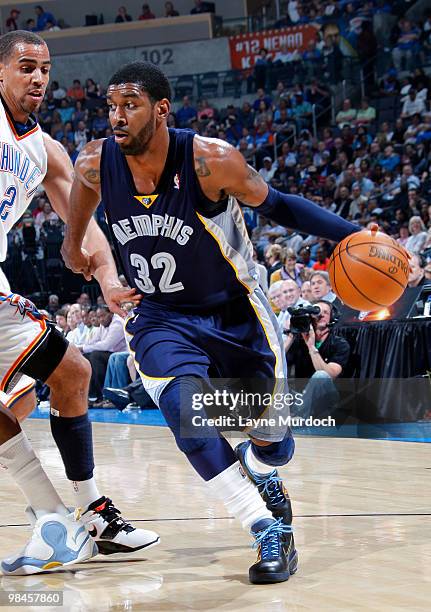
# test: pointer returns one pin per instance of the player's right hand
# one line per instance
(116, 297)
(77, 260)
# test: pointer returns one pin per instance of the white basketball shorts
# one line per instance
(22, 329)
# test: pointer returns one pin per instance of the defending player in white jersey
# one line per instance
(30, 345)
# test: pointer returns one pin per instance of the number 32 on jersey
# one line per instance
(162, 260)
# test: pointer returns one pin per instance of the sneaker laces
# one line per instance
(112, 516)
(269, 539)
(271, 486)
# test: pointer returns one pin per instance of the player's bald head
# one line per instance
(9, 42)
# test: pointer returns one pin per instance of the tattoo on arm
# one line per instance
(202, 169)
(92, 176)
(252, 174)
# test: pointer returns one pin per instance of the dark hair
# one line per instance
(150, 78)
(11, 39)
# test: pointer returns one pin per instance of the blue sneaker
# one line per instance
(270, 486)
(274, 563)
(57, 541)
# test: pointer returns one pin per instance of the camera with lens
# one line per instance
(300, 318)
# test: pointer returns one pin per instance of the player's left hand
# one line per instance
(310, 338)
(116, 296)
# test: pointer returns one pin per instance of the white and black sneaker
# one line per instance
(111, 532)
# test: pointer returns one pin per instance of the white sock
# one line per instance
(86, 492)
(240, 496)
(255, 464)
(19, 460)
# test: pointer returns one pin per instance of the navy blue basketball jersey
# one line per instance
(176, 247)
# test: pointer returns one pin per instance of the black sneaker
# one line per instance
(111, 532)
(274, 563)
(270, 486)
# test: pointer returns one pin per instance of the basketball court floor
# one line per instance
(362, 527)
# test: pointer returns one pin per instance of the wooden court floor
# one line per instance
(362, 527)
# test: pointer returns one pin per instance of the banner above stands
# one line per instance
(244, 48)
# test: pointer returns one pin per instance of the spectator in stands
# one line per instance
(304, 257)
(30, 25)
(418, 235)
(100, 124)
(200, 7)
(390, 159)
(268, 170)
(290, 270)
(320, 287)
(84, 301)
(346, 115)
(81, 136)
(170, 11)
(365, 184)
(427, 272)
(146, 13)
(322, 262)
(412, 105)
(406, 46)
(123, 16)
(261, 69)
(262, 95)
(76, 92)
(46, 216)
(403, 235)
(186, 113)
(417, 272)
(284, 56)
(51, 26)
(290, 298)
(78, 330)
(312, 57)
(302, 112)
(110, 339)
(306, 291)
(273, 258)
(61, 320)
(366, 114)
(11, 21)
(58, 93)
(42, 18)
(92, 90)
(53, 304)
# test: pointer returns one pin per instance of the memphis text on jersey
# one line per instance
(17, 163)
(152, 225)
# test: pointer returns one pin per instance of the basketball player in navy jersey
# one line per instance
(171, 201)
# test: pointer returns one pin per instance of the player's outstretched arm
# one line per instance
(222, 171)
(85, 249)
(58, 184)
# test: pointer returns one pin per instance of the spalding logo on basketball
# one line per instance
(369, 270)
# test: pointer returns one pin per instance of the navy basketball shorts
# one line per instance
(240, 339)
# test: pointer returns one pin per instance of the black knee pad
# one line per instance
(44, 360)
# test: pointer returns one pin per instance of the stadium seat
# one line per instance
(208, 85)
(184, 86)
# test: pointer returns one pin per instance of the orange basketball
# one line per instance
(368, 270)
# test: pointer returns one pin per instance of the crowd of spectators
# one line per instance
(365, 167)
(45, 21)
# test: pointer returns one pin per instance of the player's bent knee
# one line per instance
(175, 403)
(322, 375)
(72, 373)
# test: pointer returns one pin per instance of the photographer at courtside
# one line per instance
(319, 356)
